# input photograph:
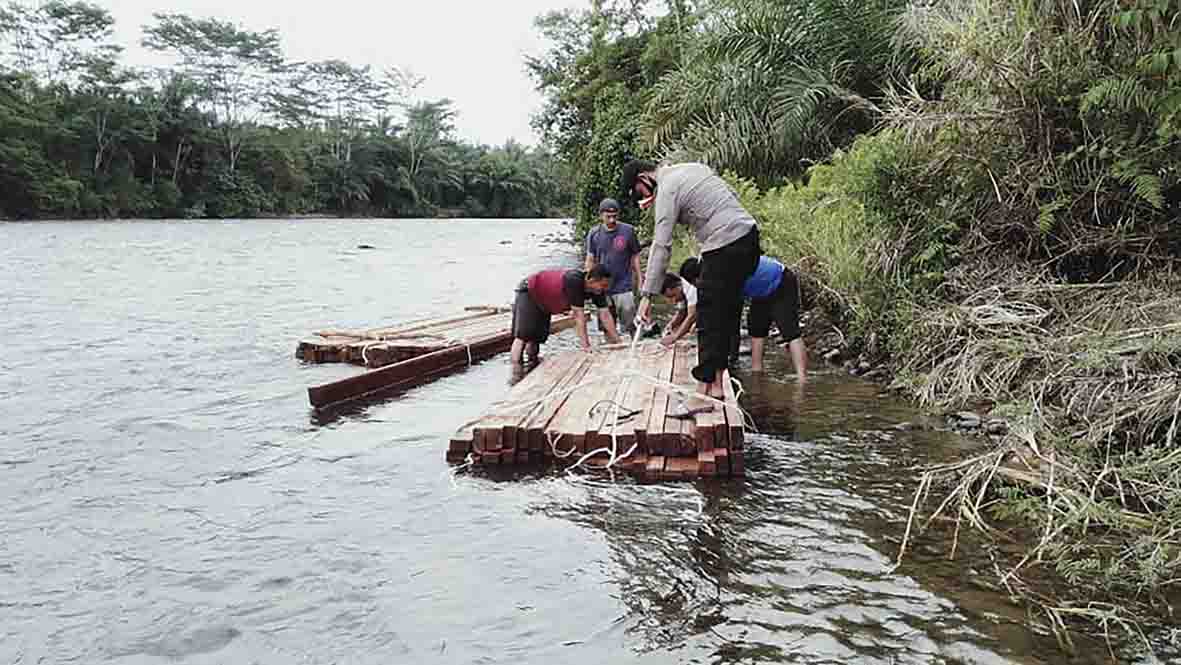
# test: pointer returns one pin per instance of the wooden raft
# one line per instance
(565, 427)
(378, 347)
(410, 354)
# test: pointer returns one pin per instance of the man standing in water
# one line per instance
(774, 294)
(613, 245)
(693, 195)
(549, 292)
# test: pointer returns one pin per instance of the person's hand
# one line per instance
(643, 310)
(668, 340)
(587, 348)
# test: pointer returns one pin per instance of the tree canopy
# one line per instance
(232, 128)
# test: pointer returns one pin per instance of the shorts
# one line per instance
(623, 308)
(530, 322)
(782, 306)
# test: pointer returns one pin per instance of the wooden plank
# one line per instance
(497, 428)
(628, 394)
(722, 461)
(656, 440)
(734, 422)
(680, 468)
(642, 394)
(407, 371)
(737, 463)
(679, 432)
(573, 420)
(348, 345)
(534, 427)
(655, 468)
(707, 463)
(374, 334)
(711, 429)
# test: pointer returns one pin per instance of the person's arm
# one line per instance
(608, 323)
(636, 272)
(660, 252)
(662, 242)
(686, 324)
(579, 315)
(590, 253)
(676, 321)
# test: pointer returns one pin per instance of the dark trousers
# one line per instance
(719, 301)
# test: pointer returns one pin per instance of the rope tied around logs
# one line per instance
(629, 372)
(446, 340)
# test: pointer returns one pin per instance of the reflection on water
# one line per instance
(170, 497)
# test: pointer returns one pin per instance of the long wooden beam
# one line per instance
(417, 369)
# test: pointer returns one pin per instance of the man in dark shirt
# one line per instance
(549, 292)
(613, 245)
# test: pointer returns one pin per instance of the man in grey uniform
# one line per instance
(693, 195)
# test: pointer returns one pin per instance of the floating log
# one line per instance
(639, 403)
(414, 353)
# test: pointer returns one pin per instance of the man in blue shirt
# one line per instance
(613, 245)
(774, 294)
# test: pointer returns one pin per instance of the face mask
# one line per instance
(650, 184)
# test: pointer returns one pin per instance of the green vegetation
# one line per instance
(982, 195)
(233, 129)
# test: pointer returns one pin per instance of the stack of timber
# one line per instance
(409, 353)
(575, 403)
(378, 347)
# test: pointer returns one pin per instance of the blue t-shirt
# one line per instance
(765, 279)
(614, 251)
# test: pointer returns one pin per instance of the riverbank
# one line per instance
(1072, 384)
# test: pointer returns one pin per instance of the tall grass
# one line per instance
(1014, 241)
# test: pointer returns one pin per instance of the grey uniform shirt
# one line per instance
(693, 195)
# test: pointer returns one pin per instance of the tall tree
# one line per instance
(53, 40)
(237, 70)
(428, 126)
(342, 98)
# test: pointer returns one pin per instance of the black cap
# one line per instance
(609, 205)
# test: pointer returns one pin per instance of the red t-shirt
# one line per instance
(556, 291)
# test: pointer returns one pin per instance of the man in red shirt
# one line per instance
(549, 292)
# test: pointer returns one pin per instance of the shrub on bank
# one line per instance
(1014, 242)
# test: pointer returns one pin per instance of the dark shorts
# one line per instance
(782, 306)
(530, 322)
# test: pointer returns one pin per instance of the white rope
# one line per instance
(452, 472)
(446, 340)
(616, 376)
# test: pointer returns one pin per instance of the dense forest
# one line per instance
(232, 129)
(980, 196)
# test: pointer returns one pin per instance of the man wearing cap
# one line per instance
(693, 195)
(613, 245)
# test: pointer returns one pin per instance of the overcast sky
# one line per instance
(469, 50)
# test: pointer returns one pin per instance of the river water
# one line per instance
(168, 495)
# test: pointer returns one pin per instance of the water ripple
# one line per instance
(154, 423)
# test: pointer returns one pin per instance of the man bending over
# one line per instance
(549, 292)
(678, 290)
(774, 293)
